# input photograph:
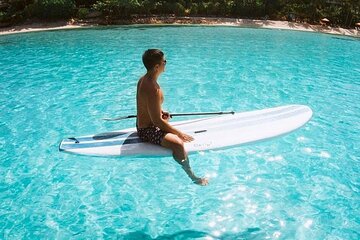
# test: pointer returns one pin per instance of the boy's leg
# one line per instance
(174, 143)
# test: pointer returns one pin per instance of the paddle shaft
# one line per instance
(200, 113)
(173, 115)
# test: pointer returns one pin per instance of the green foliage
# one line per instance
(340, 13)
(11, 11)
(85, 3)
(83, 12)
(147, 7)
(53, 9)
(244, 8)
(175, 8)
(3, 16)
(117, 8)
(194, 9)
(344, 13)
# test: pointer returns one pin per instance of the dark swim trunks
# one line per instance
(151, 134)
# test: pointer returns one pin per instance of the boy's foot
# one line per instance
(201, 181)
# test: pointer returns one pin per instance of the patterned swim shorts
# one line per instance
(151, 134)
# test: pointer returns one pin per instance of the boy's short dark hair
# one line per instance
(151, 57)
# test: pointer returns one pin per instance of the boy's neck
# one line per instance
(152, 75)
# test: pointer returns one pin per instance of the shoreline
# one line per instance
(269, 24)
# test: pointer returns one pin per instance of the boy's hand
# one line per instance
(185, 137)
(165, 115)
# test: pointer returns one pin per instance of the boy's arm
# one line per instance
(155, 112)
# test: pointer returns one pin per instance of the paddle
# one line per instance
(173, 115)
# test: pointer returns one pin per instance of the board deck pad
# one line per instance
(209, 133)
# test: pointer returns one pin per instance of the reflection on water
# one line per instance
(250, 233)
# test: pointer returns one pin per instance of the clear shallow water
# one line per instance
(58, 84)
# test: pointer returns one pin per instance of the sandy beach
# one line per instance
(33, 27)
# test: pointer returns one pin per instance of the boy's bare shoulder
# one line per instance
(150, 87)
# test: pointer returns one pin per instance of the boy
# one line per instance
(152, 123)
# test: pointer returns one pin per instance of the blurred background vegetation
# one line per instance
(340, 13)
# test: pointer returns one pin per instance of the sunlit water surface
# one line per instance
(57, 84)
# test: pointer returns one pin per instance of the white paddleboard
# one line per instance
(214, 132)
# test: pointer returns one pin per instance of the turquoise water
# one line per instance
(57, 84)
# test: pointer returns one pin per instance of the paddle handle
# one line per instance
(173, 115)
